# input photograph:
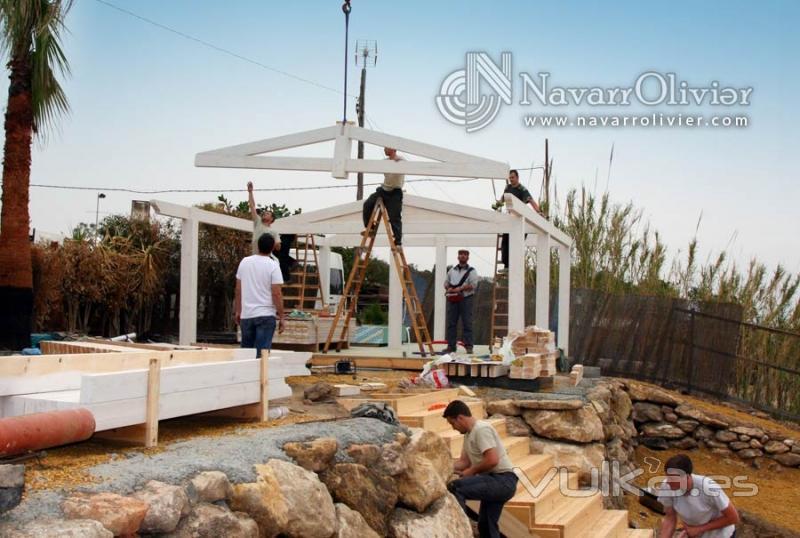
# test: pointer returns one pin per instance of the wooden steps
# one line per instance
(639, 533)
(536, 505)
(572, 516)
(608, 524)
(433, 420)
(533, 467)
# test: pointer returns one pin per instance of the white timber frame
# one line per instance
(426, 222)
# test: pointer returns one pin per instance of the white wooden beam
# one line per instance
(516, 277)
(341, 152)
(278, 143)
(517, 207)
(204, 216)
(543, 281)
(190, 253)
(424, 227)
(439, 304)
(395, 308)
(487, 240)
(564, 269)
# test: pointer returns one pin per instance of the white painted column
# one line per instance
(564, 262)
(439, 276)
(516, 275)
(324, 260)
(395, 308)
(543, 280)
(190, 252)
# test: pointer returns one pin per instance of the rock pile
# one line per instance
(395, 489)
(664, 421)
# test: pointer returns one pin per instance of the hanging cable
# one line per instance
(346, 10)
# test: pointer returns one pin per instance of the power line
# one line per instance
(218, 48)
(274, 189)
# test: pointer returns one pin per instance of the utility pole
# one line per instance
(366, 54)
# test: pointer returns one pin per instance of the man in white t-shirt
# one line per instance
(487, 474)
(702, 505)
(258, 303)
(391, 193)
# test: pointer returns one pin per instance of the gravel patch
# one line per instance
(233, 454)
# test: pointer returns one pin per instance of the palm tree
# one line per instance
(30, 37)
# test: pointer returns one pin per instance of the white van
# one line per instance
(336, 280)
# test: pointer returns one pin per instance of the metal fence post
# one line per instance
(690, 373)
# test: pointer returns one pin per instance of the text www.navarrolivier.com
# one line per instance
(653, 120)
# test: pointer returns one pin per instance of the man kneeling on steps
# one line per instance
(485, 469)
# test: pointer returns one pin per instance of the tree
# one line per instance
(30, 36)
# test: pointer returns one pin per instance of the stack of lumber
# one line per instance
(114, 384)
(533, 365)
(532, 340)
(576, 374)
(475, 369)
(310, 332)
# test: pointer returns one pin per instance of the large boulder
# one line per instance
(365, 454)
(313, 455)
(420, 484)
(579, 459)
(709, 419)
(725, 436)
(214, 521)
(517, 427)
(167, 505)
(351, 524)
(662, 429)
(621, 404)
(577, 425)
(371, 494)
(210, 486)
(641, 392)
(121, 515)
(776, 447)
(502, 407)
(262, 500)
(687, 424)
(392, 460)
(445, 519)
(311, 512)
(647, 412)
(750, 431)
(790, 459)
(550, 404)
(433, 448)
(74, 528)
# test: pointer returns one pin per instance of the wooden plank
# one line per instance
(263, 399)
(329, 359)
(151, 412)
(144, 345)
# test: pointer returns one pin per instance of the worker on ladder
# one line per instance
(262, 223)
(391, 193)
(517, 189)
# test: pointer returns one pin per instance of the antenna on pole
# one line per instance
(346, 10)
(366, 56)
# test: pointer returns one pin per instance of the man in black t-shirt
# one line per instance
(517, 189)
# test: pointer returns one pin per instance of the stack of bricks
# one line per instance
(535, 352)
(576, 374)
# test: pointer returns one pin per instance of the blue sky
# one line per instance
(145, 100)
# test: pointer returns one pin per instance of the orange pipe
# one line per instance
(44, 430)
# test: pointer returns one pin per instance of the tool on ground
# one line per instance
(356, 280)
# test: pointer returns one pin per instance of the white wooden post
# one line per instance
(395, 308)
(516, 275)
(190, 252)
(543, 280)
(324, 260)
(563, 298)
(439, 304)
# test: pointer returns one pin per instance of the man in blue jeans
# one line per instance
(487, 474)
(258, 296)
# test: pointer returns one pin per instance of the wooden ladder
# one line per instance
(295, 296)
(499, 295)
(356, 279)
